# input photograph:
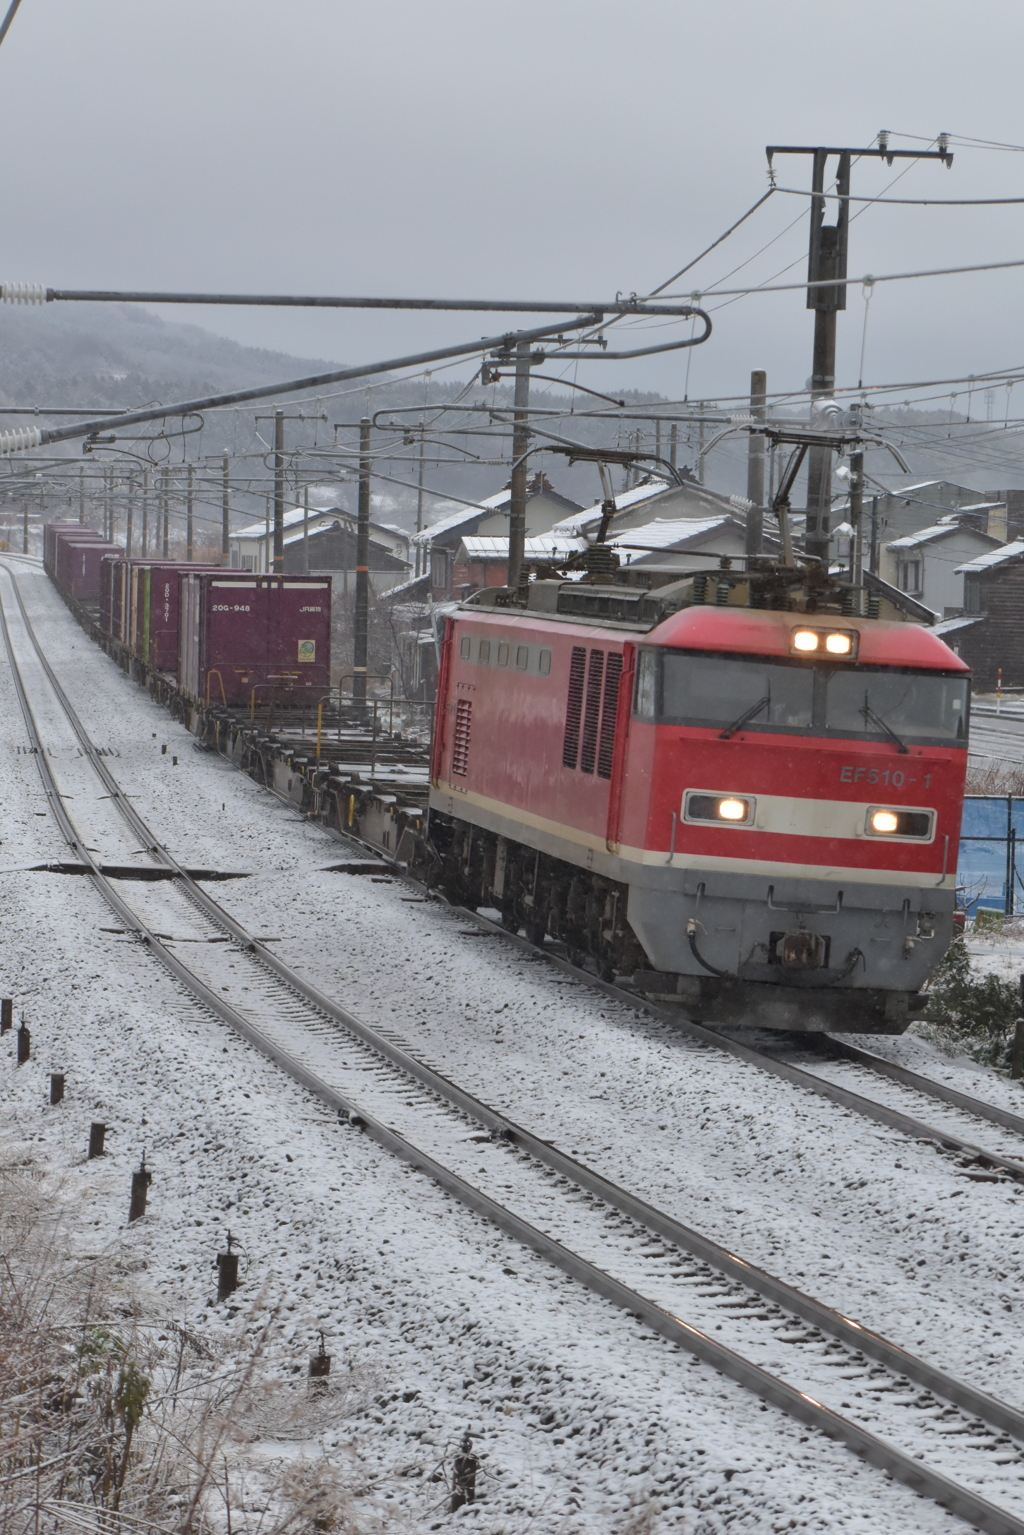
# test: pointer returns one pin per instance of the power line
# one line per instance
(906, 202)
(847, 282)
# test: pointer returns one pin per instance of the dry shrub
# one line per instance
(996, 778)
(114, 1420)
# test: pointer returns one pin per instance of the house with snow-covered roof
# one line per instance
(989, 634)
(654, 498)
(927, 564)
(437, 547)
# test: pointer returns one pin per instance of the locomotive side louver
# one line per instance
(609, 711)
(574, 706)
(595, 677)
(460, 742)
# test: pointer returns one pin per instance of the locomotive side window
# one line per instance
(502, 655)
(485, 652)
(465, 647)
(645, 704)
(545, 663)
(522, 657)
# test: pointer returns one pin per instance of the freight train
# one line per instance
(733, 789)
(742, 791)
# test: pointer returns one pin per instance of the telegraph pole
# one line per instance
(130, 517)
(81, 495)
(144, 540)
(361, 626)
(188, 516)
(278, 492)
(826, 295)
(755, 465)
(165, 514)
(225, 513)
(305, 529)
(419, 497)
(520, 445)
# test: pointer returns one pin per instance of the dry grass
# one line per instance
(1005, 778)
(113, 1420)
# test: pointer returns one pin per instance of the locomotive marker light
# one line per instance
(837, 642)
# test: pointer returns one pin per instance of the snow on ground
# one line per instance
(414, 1293)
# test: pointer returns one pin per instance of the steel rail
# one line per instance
(909, 1470)
(921, 1084)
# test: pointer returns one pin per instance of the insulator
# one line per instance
(20, 439)
(874, 605)
(722, 592)
(23, 293)
(700, 588)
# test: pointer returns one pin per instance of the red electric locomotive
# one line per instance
(733, 789)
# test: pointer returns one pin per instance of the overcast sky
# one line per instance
(535, 148)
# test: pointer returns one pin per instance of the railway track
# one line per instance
(940, 1436)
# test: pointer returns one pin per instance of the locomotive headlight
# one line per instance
(891, 821)
(730, 809)
(834, 642)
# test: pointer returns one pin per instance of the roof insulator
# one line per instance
(20, 440)
(22, 293)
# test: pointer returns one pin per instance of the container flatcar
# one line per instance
(751, 803)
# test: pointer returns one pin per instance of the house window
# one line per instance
(972, 594)
(248, 562)
(908, 576)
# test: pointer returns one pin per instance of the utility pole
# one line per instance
(24, 526)
(129, 518)
(857, 515)
(520, 446)
(361, 626)
(826, 295)
(278, 492)
(108, 523)
(225, 512)
(81, 495)
(165, 513)
(419, 498)
(755, 465)
(700, 448)
(144, 540)
(189, 507)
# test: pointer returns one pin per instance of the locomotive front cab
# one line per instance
(796, 787)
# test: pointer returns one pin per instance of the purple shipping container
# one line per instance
(113, 568)
(154, 614)
(244, 634)
(55, 532)
(78, 568)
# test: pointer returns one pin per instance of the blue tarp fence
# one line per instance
(987, 870)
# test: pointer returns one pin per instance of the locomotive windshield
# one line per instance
(679, 687)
